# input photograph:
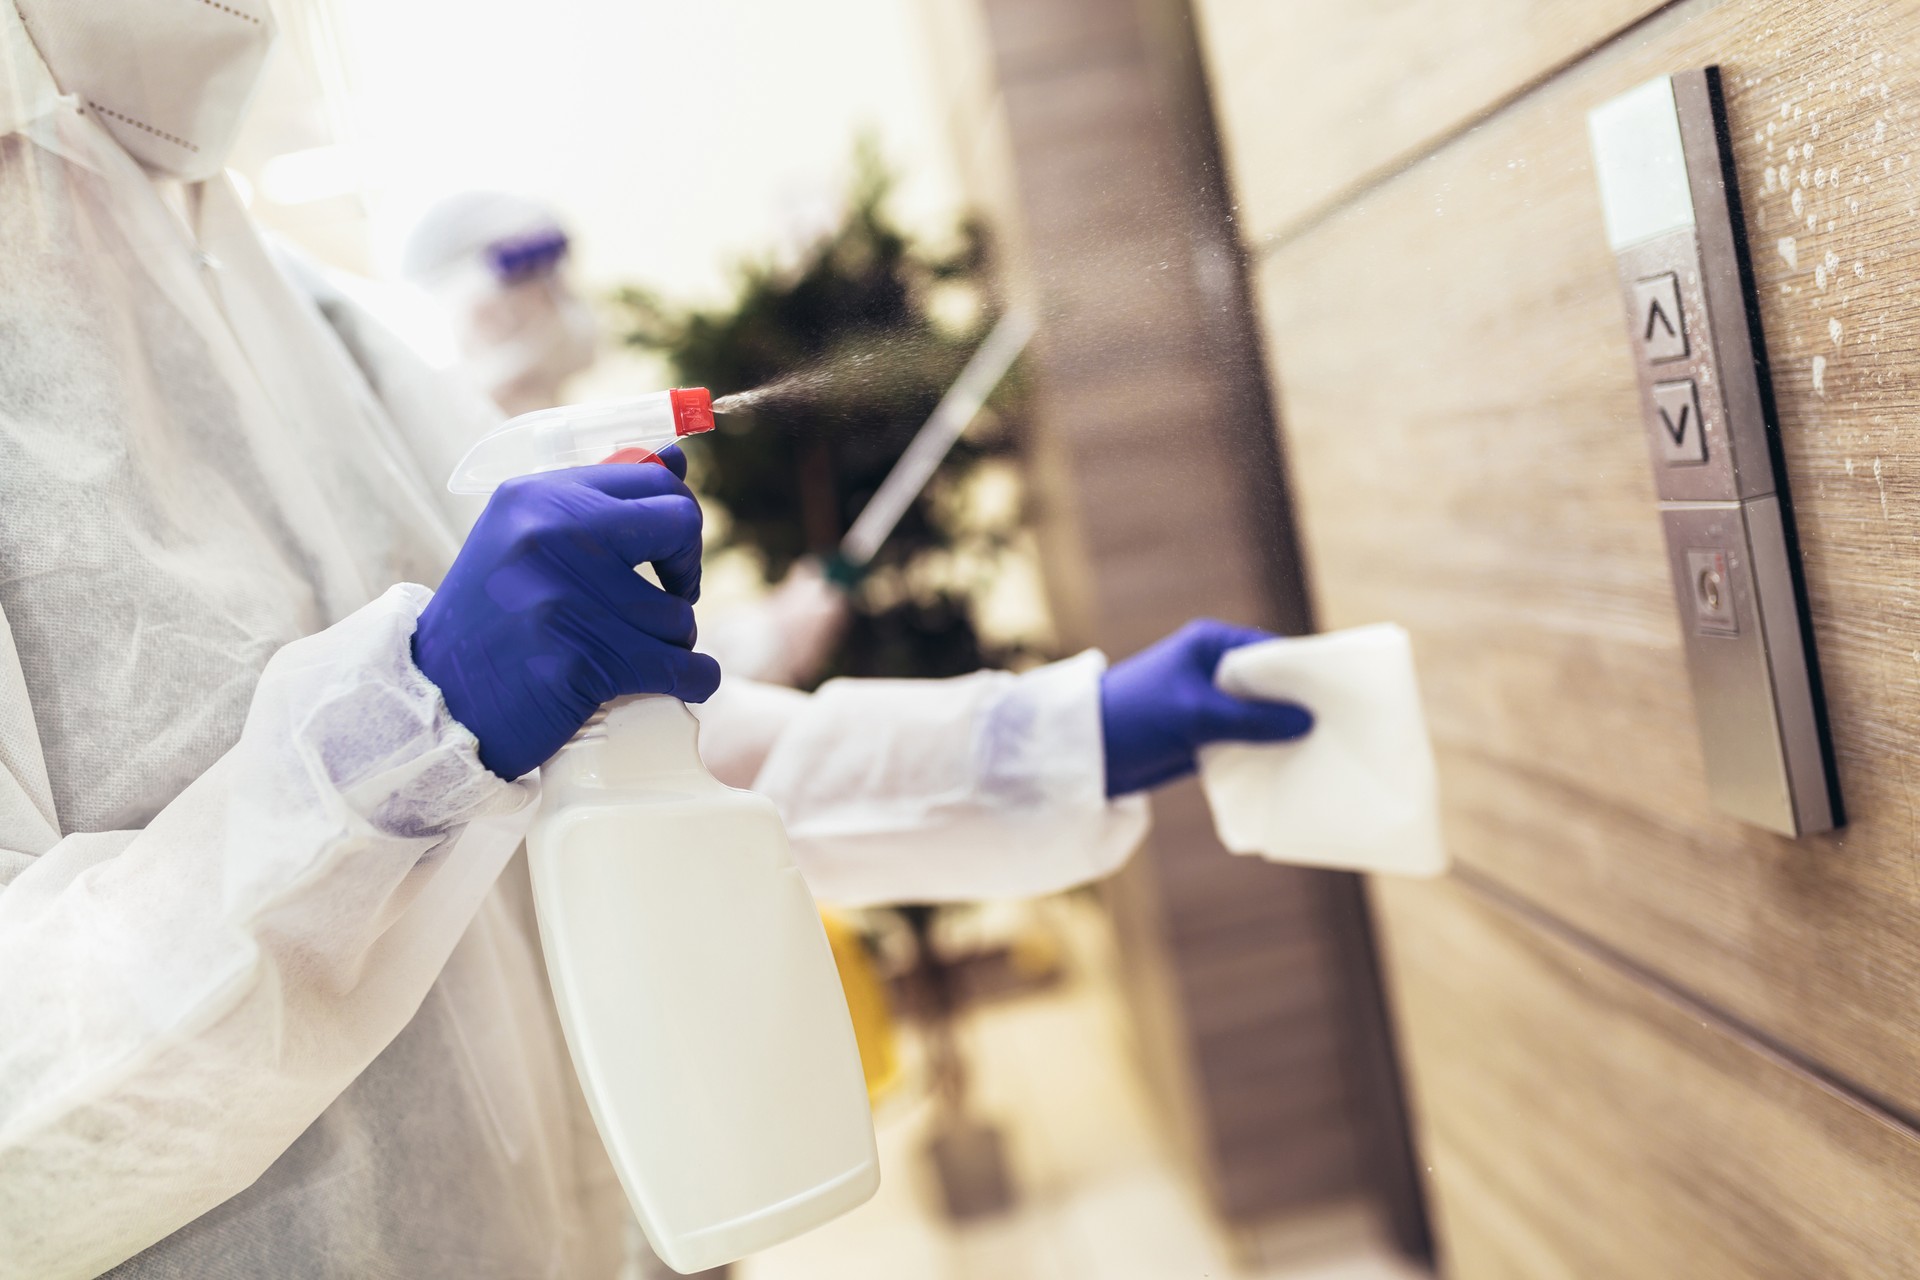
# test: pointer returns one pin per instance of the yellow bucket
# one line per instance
(867, 1002)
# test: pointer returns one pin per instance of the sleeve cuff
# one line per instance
(368, 742)
(1041, 745)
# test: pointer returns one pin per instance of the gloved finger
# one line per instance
(674, 460)
(630, 661)
(697, 677)
(1225, 718)
(624, 480)
(1206, 639)
(637, 603)
(662, 531)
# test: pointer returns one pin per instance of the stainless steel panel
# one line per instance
(1796, 681)
(1737, 358)
(1748, 664)
(1707, 408)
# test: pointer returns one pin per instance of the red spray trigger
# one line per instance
(634, 453)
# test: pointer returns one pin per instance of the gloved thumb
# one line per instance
(1225, 718)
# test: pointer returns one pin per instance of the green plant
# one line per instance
(872, 327)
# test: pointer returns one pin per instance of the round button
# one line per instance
(1710, 589)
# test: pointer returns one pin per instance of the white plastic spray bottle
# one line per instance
(695, 983)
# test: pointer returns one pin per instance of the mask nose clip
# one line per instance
(170, 83)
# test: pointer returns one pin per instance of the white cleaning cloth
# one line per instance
(1359, 792)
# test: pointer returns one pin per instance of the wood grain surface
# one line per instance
(1312, 97)
(1461, 421)
(1579, 1124)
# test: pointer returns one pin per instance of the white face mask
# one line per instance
(170, 79)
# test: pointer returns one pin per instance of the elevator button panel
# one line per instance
(1664, 164)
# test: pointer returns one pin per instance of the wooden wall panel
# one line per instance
(1580, 1124)
(1461, 419)
(1314, 97)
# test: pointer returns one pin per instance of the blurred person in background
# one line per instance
(270, 995)
(496, 264)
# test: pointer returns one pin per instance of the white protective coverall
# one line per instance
(270, 999)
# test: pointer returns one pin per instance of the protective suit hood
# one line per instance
(169, 79)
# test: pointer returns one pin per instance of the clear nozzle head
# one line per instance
(580, 435)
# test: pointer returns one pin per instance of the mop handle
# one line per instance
(930, 444)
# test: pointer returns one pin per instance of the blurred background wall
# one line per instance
(1090, 135)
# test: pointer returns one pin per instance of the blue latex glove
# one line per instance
(542, 617)
(1160, 706)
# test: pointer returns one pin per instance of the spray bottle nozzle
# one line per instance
(692, 410)
(579, 435)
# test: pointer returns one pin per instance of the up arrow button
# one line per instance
(1658, 322)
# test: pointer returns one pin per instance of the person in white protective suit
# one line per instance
(270, 998)
(496, 265)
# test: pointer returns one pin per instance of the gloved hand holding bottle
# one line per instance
(670, 910)
(542, 617)
(1160, 706)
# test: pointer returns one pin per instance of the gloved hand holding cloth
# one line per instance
(1160, 706)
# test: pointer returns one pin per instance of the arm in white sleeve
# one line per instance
(178, 1003)
(990, 785)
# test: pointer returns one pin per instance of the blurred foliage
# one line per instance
(875, 326)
